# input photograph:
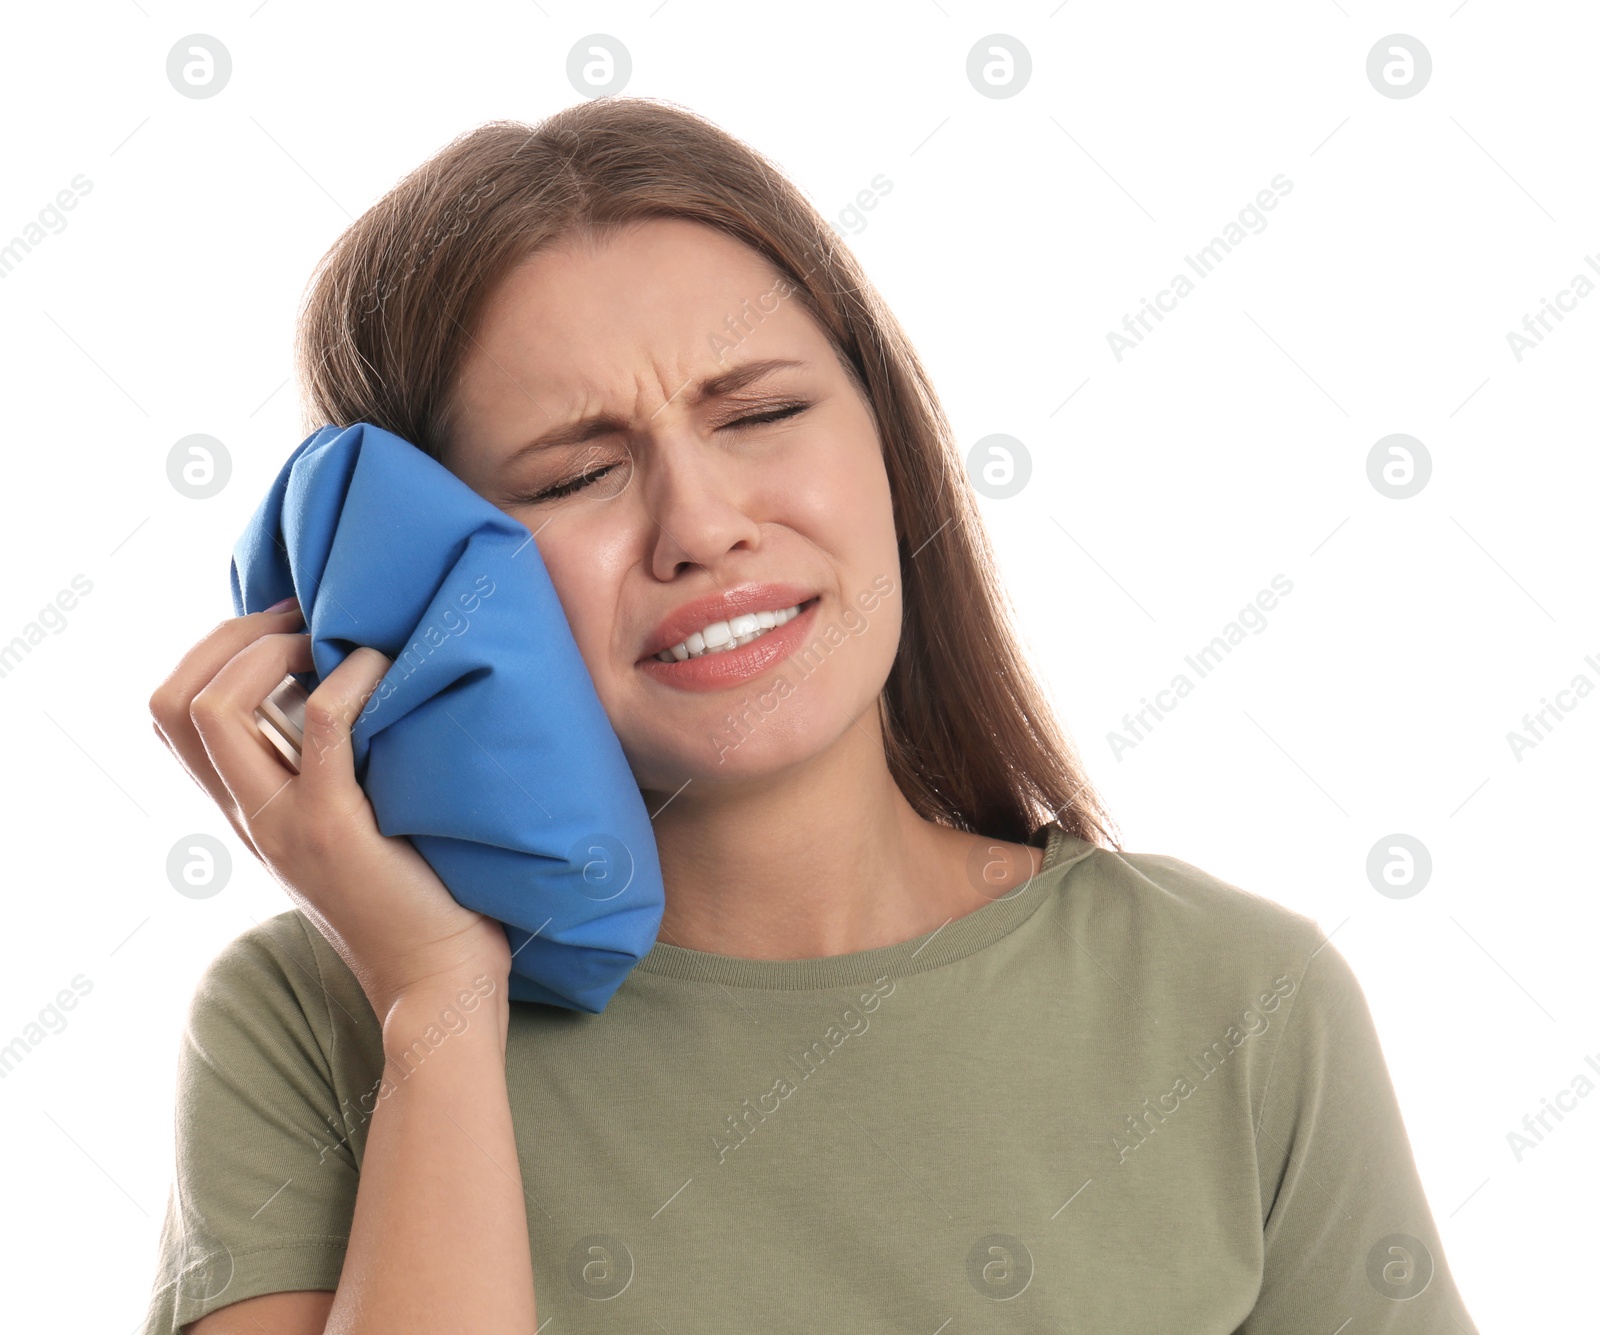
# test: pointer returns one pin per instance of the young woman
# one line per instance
(919, 1047)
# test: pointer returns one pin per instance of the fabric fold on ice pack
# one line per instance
(485, 743)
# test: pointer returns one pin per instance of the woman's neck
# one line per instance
(825, 859)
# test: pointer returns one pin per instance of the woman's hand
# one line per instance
(374, 897)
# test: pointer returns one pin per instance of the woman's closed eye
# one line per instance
(770, 415)
(588, 479)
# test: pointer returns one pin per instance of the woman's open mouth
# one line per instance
(726, 653)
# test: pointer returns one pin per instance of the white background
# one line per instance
(1168, 488)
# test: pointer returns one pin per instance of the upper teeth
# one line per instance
(720, 636)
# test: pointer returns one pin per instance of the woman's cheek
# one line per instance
(579, 603)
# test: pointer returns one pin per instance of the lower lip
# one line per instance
(714, 672)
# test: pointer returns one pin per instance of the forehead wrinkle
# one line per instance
(626, 394)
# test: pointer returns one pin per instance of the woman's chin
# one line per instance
(716, 759)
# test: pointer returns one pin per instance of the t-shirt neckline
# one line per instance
(955, 940)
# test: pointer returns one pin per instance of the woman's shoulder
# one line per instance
(1184, 965)
(281, 972)
(273, 952)
(1181, 887)
(1159, 907)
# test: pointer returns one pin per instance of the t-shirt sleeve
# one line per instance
(264, 1177)
(1349, 1238)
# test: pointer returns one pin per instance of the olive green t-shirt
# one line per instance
(1124, 1096)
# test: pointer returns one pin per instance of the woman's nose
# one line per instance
(699, 501)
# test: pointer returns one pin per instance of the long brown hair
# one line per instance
(390, 312)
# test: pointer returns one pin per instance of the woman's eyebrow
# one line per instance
(716, 386)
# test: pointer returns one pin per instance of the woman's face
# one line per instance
(685, 500)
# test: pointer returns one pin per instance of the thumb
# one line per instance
(350, 691)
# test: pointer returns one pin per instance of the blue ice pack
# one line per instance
(485, 743)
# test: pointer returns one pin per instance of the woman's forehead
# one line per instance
(658, 272)
(589, 331)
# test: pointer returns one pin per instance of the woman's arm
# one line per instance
(439, 1240)
(438, 1237)
(1348, 1234)
(303, 1312)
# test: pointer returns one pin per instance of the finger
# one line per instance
(223, 715)
(220, 796)
(170, 702)
(327, 761)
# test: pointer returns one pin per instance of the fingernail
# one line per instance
(284, 605)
